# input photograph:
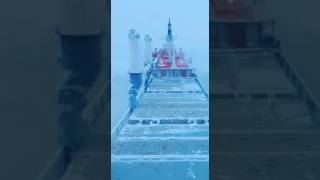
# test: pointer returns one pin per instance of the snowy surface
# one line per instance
(119, 94)
(154, 152)
(173, 131)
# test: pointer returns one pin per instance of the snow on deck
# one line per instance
(166, 136)
(262, 121)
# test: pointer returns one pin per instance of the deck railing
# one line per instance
(304, 92)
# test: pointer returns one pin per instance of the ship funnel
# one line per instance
(135, 61)
(148, 49)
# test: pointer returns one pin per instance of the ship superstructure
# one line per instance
(168, 56)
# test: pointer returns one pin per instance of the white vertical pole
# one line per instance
(135, 61)
(148, 49)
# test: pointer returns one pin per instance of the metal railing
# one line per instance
(304, 92)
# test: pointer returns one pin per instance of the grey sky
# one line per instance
(189, 19)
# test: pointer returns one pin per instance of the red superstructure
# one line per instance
(168, 54)
(164, 59)
(231, 10)
(180, 61)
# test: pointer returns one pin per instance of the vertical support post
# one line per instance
(147, 50)
(135, 68)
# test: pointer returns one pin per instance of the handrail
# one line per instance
(203, 88)
(97, 95)
(116, 129)
(303, 89)
(55, 167)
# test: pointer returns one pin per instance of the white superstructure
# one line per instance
(135, 60)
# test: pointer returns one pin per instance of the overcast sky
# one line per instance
(189, 19)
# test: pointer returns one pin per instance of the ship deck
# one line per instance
(262, 126)
(167, 135)
(262, 121)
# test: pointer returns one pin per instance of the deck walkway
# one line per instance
(166, 136)
(263, 127)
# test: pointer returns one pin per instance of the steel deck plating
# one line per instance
(166, 136)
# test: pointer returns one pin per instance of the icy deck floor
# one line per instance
(262, 129)
(249, 73)
(166, 136)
